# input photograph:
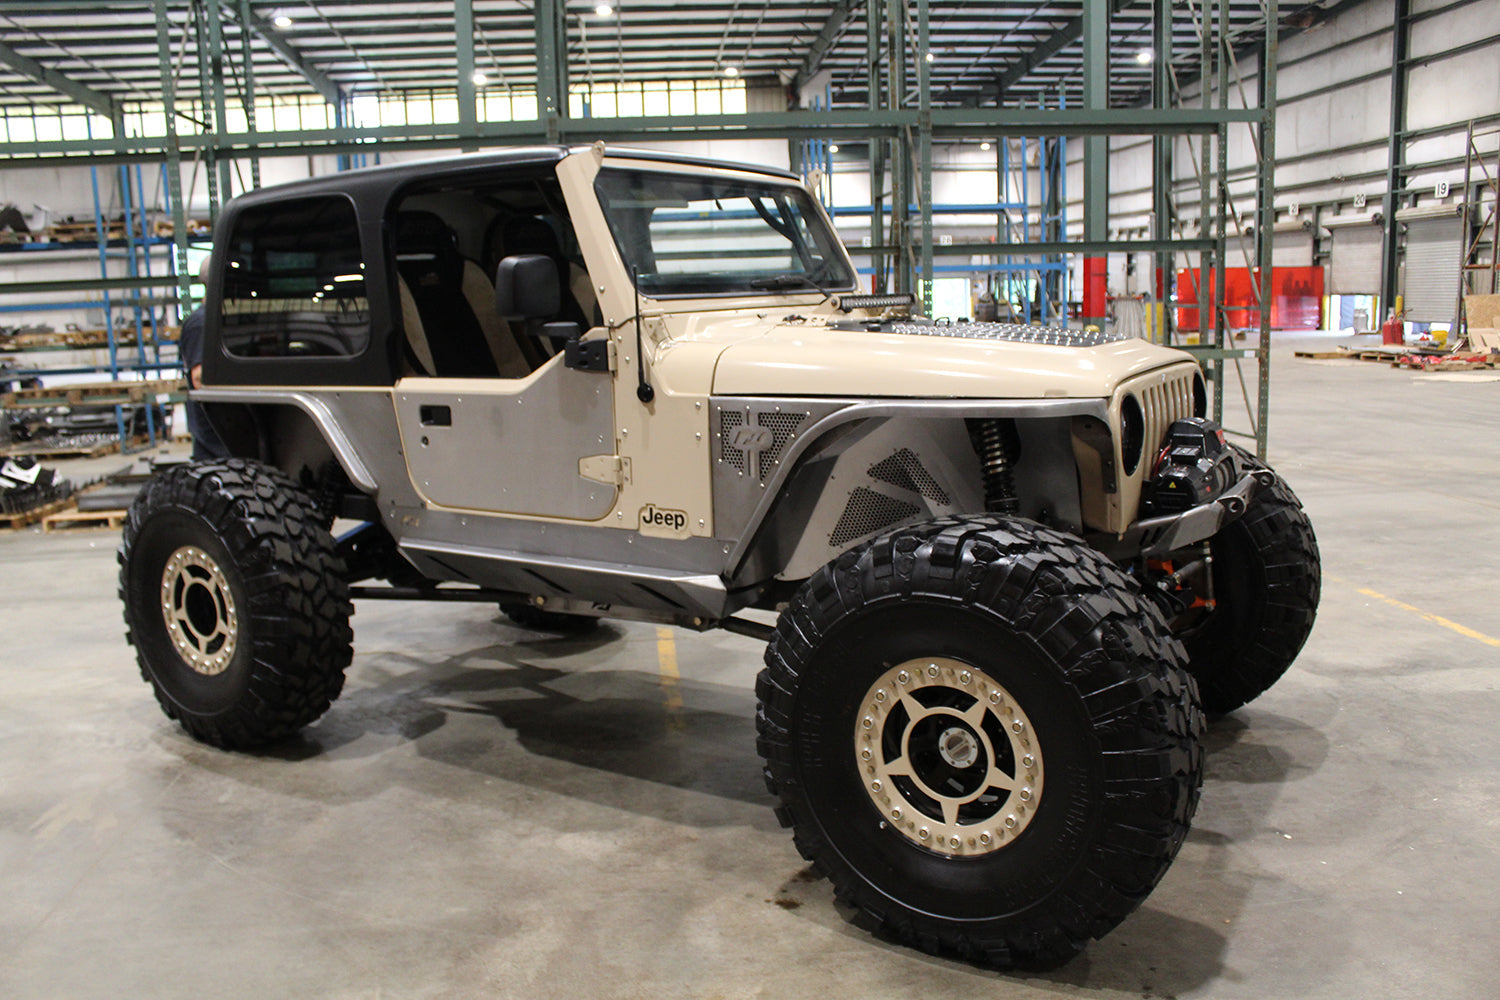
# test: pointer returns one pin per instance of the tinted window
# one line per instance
(294, 285)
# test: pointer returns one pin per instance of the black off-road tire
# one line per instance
(1038, 638)
(541, 620)
(235, 602)
(1267, 578)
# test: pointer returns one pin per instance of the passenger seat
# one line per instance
(458, 332)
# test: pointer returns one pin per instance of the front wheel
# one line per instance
(983, 735)
(1267, 578)
(235, 602)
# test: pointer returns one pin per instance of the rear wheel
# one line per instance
(235, 602)
(1267, 579)
(984, 737)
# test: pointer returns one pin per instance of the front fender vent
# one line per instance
(752, 441)
(866, 513)
(903, 470)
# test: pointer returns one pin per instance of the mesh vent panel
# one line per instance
(868, 512)
(904, 470)
(782, 426)
(729, 420)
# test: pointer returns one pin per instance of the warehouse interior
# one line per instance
(1300, 196)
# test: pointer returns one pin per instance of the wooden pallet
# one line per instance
(80, 232)
(21, 519)
(96, 450)
(97, 394)
(1338, 354)
(84, 519)
(1452, 365)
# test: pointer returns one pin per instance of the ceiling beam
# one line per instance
(1070, 32)
(287, 53)
(87, 96)
(832, 28)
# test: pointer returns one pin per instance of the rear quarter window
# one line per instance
(294, 282)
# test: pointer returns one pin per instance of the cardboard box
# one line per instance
(1482, 311)
(1484, 341)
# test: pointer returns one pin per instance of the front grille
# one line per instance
(1162, 403)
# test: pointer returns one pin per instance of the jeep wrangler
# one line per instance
(1013, 565)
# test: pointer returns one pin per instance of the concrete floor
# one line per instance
(488, 812)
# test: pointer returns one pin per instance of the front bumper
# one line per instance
(1156, 536)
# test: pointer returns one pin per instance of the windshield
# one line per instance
(691, 235)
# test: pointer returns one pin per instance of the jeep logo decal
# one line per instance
(748, 437)
(664, 522)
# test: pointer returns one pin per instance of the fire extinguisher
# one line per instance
(1393, 327)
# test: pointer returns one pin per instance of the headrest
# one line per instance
(426, 249)
(525, 234)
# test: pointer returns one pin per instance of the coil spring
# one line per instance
(994, 443)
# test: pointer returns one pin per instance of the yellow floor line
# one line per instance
(666, 665)
(1463, 630)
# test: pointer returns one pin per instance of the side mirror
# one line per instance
(526, 287)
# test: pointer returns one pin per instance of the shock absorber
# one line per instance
(996, 443)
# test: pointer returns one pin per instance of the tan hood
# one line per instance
(820, 361)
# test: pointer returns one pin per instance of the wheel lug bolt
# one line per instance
(984, 838)
(868, 722)
(876, 785)
(880, 695)
(865, 754)
(955, 842)
(1010, 822)
(1025, 795)
(994, 697)
(965, 678)
(896, 813)
(903, 677)
(1028, 761)
(1017, 726)
(923, 833)
(932, 670)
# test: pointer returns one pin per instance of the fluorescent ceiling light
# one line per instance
(281, 21)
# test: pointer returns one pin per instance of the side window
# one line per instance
(294, 285)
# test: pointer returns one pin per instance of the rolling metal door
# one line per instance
(1289, 248)
(1292, 248)
(1433, 249)
(1354, 262)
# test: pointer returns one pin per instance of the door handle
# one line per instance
(436, 416)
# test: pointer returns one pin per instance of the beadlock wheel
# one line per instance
(949, 757)
(983, 735)
(197, 606)
(235, 601)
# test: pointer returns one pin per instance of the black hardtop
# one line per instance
(386, 177)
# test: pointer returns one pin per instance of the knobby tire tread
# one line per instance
(298, 606)
(1235, 663)
(1113, 647)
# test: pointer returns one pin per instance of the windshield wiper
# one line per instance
(791, 279)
